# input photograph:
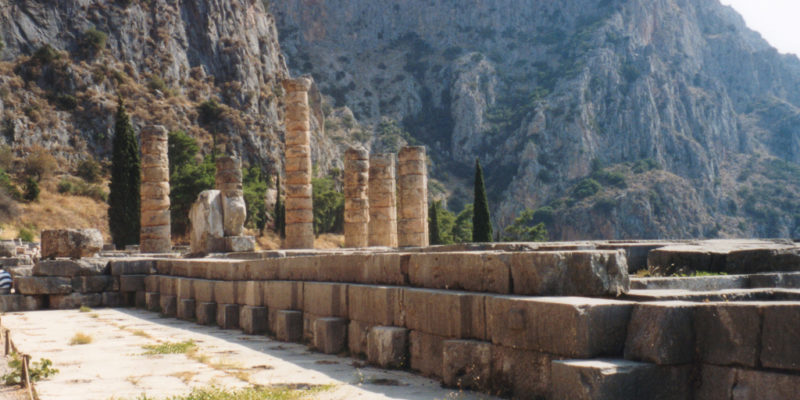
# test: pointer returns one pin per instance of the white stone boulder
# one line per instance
(206, 221)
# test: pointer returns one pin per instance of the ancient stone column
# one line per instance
(412, 224)
(382, 209)
(299, 211)
(356, 203)
(154, 236)
(229, 182)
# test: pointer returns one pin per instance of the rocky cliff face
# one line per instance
(65, 62)
(614, 118)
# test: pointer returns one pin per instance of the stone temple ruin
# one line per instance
(561, 320)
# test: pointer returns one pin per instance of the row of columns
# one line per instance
(373, 214)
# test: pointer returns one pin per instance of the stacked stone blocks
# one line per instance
(356, 201)
(382, 201)
(155, 216)
(299, 210)
(412, 210)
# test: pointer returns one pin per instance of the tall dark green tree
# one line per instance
(123, 199)
(481, 222)
(433, 224)
(188, 177)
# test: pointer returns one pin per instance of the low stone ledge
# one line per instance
(612, 379)
(661, 333)
(575, 327)
(451, 314)
(34, 285)
(70, 268)
(723, 383)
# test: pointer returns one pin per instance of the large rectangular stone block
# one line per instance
(378, 305)
(612, 379)
(151, 283)
(472, 271)
(518, 373)
(425, 353)
(228, 316)
(187, 309)
(203, 290)
(75, 300)
(250, 293)
(206, 313)
(725, 383)
(283, 295)
(386, 269)
(661, 333)
(330, 335)
(132, 267)
(466, 364)
(93, 284)
(263, 270)
(111, 299)
(568, 326)
(357, 335)
(169, 305)
(225, 292)
(300, 268)
(64, 267)
(16, 302)
(131, 283)
(287, 325)
(34, 285)
(253, 320)
(342, 268)
(570, 273)
(168, 285)
(387, 346)
(445, 313)
(728, 333)
(185, 288)
(325, 299)
(780, 336)
(152, 301)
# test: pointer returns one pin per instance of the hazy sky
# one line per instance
(776, 20)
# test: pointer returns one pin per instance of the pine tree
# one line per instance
(123, 199)
(280, 222)
(433, 224)
(481, 222)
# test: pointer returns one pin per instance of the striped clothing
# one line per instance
(5, 281)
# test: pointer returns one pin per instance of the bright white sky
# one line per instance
(776, 20)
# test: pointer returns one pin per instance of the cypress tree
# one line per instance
(481, 222)
(123, 197)
(280, 222)
(433, 224)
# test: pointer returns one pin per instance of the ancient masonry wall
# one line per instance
(299, 210)
(412, 224)
(154, 236)
(382, 202)
(356, 203)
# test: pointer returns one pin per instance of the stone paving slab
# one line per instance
(114, 363)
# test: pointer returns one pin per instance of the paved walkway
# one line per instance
(114, 365)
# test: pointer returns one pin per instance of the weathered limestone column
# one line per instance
(229, 183)
(154, 236)
(356, 203)
(412, 225)
(299, 210)
(382, 209)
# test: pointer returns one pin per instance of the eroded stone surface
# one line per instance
(72, 243)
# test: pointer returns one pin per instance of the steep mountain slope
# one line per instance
(614, 118)
(65, 62)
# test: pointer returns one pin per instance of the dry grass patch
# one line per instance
(169, 348)
(80, 338)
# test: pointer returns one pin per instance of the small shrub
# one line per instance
(45, 55)
(65, 187)
(26, 234)
(80, 338)
(94, 40)
(31, 190)
(84, 309)
(39, 164)
(89, 170)
(8, 207)
(38, 370)
(156, 83)
(585, 188)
